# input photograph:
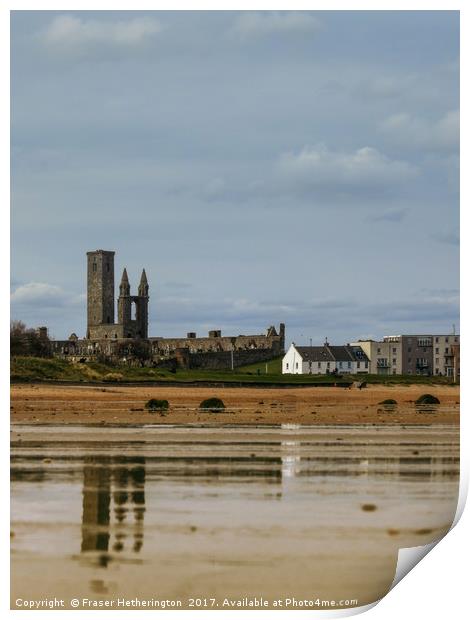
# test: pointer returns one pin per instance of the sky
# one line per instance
(264, 167)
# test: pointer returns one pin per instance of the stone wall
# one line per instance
(208, 353)
(272, 340)
(167, 346)
(222, 360)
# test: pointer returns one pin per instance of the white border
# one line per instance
(438, 587)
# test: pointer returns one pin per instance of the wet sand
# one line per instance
(176, 513)
(49, 404)
(303, 493)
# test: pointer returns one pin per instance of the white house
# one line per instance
(324, 360)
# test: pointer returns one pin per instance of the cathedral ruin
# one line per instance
(100, 301)
(127, 340)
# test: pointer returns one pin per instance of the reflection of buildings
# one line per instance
(114, 487)
(96, 500)
(113, 505)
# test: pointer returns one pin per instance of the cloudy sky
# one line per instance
(263, 167)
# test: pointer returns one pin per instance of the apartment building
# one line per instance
(385, 358)
(446, 348)
(412, 354)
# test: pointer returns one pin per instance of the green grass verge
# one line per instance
(274, 367)
(40, 369)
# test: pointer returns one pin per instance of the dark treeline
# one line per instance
(27, 341)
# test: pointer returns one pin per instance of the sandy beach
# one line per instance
(57, 404)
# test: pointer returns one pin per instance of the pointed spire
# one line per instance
(143, 286)
(124, 287)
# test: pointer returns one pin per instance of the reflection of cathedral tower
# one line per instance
(123, 481)
(96, 499)
(129, 493)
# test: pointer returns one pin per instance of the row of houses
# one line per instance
(394, 355)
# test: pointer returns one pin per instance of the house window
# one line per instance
(447, 340)
(94, 267)
(296, 365)
(394, 361)
(349, 364)
(394, 350)
(437, 349)
(366, 364)
(437, 360)
(409, 349)
(327, 364)
(437, 339)
(447, 350)
(379, 351)
(319, 364)
(287, 366)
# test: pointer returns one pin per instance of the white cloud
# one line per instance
(73, 33)
(43, 295)
(255, 24)
(317, 166)
(404, 129)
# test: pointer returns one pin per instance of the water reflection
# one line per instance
(215, 505)
(113, 500)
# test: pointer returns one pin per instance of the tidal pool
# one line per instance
(185, 514)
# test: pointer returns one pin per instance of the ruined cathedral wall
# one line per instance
(90, 350)
(222, 360)
(103, 342)
(168, 346)
(104, 331)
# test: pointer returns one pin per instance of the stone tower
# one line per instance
(132, 309)
(100, 291)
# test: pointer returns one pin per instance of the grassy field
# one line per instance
(32, 369)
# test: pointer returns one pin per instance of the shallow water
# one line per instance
(158, 513)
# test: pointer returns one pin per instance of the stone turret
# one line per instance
(143, 286)
(124, 304)
(124, 287)
(142, 306)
